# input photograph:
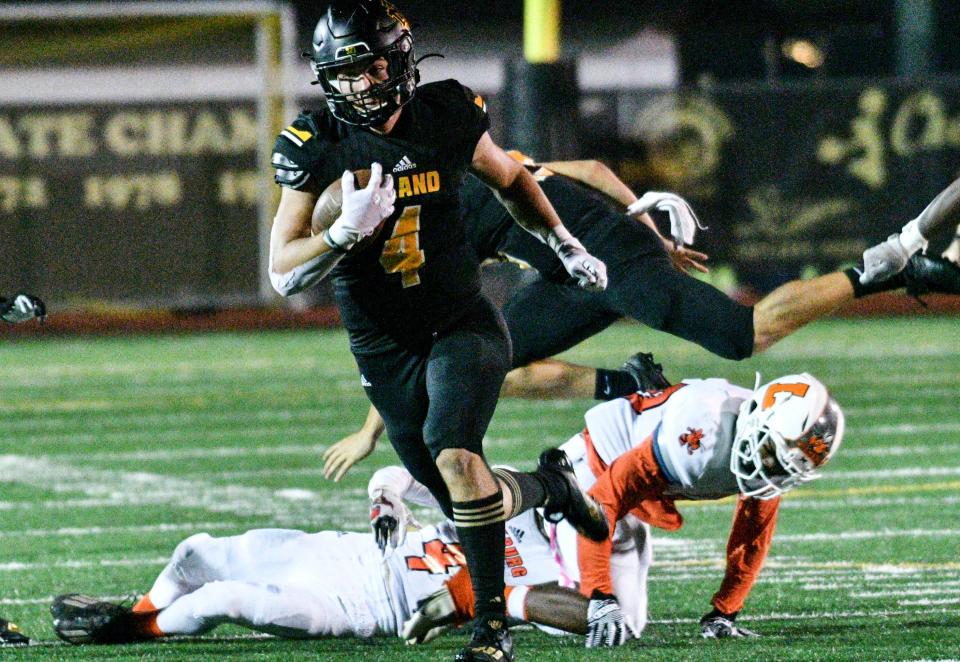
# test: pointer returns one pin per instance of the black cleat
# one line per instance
(647, 374)
(925, 274)
(10, 634)
(573, 504)
(490, 642)
(80, 619)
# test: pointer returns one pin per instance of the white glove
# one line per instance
(890, 257)
(683, 220)
(388, 520)
(435, 614)
(606, 625)
(361, 212)
(23, 307)
(590, 273)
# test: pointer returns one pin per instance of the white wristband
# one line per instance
(557, 237)
(342, 237)
(911, 238)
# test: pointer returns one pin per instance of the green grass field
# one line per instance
(113, 450)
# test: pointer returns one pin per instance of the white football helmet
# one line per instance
(785, 432)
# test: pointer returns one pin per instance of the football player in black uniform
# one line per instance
(432, 351)
(20, 308)
(649, 282)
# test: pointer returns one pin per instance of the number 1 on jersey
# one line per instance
(401, 252)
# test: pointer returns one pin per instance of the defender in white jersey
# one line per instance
(700, 439)
(296, 584)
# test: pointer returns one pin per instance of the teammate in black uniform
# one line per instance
(545, 316)
(432, 351)
(20, 308)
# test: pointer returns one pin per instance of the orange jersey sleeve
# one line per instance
(754, 522)
(631, 479)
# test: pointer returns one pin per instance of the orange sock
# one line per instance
(145, 605)
(146, 623)
(461, 590)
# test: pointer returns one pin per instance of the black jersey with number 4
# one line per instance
(420, 274)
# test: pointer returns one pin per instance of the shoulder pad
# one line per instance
(295, 153)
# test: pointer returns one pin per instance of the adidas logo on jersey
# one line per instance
(364, 381)
(404, 165)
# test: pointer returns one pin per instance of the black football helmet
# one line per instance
(357, 32)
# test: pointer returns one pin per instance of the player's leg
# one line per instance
(545, 318)
(799, 302)
(645, 286)
(283, 610)
(395, 383)
(464, 375)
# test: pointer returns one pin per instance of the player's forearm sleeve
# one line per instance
(632, 478)
(306, 275)
(754, 522)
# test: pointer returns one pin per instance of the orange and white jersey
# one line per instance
(432, 555)
(691, 425)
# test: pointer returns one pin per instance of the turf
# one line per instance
(112, 450)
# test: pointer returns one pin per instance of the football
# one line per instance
(327, 209)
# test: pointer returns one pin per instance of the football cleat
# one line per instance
(925, 274)
(573, 504)
(717, 625)
(491, 642)
(647, 374)
(81, 619)
(435, 614)
(10, 634)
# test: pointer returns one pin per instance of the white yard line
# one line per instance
(299, 508)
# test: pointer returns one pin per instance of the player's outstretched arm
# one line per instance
(890, 257)
(754, 523)
(353, 448)
(518, 191)
(683, 221)
(21, 308)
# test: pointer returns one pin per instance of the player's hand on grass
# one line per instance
(388, 519)
(717, 625)
(589, 272)
(23, 307)
(606, 624)
(362, 210)
(685, 259)
(353, 448)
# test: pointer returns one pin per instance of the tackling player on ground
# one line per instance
(700, 439)
(757, 445)
(431, 349)
(19, 308)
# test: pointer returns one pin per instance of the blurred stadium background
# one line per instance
(135, 194)
(134, 135)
